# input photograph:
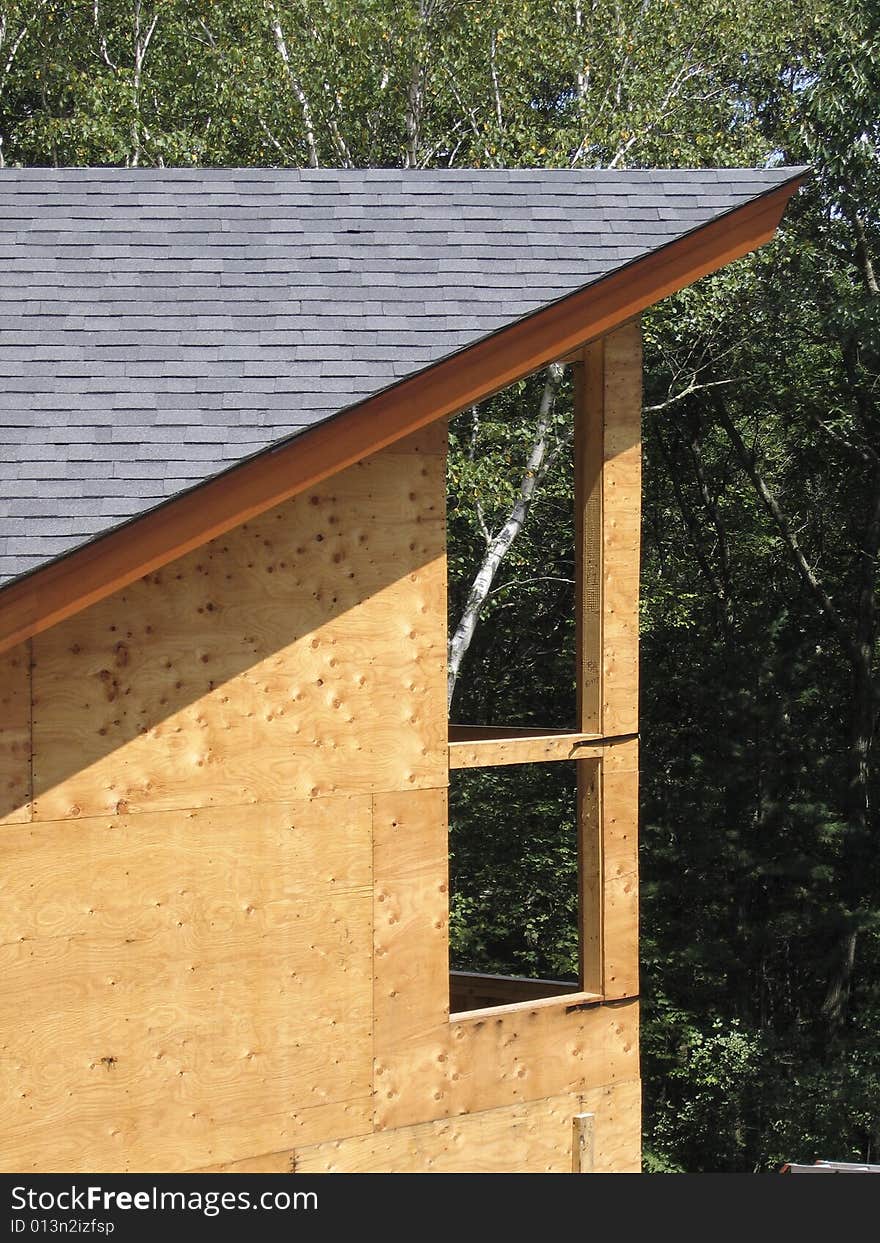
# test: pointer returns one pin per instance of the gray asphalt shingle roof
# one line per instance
(160, 325)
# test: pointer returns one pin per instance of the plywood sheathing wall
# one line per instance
(224, 940)
(186, 930)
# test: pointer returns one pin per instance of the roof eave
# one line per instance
(73, 582)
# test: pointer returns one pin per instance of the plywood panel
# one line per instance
(125, 1148)
(15, 736)
(411, 962)
(521, 1053)
(432, 440)
(300, 655)
(621, 507)
(620, 810)
(530, 1138)
(187, 873)
(527, 1138)
(177, 989)
(528, 1053)
(335, 1121)
(428, 1068)
(617, 1133)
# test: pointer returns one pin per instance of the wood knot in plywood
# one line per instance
(111, 685)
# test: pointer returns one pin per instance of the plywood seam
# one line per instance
(79, 938)
(111, 816)
(573, 1100)
(290, 1150)
(395, 1148)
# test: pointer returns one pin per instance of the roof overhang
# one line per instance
(73, 582)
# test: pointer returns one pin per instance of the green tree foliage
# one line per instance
(762, 483)
(513, 871)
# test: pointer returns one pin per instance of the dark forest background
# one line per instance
(762, 483)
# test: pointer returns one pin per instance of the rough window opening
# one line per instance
(511, 473)
(515, 867)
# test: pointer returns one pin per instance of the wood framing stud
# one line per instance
(525, 749)
(591, 898)
(583, 1143)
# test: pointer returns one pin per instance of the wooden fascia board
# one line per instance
(96, 570)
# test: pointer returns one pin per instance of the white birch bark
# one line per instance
(295, 85)
(499, 544)
(141, 44)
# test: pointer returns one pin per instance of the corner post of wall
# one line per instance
(588, 460)
(608, 411)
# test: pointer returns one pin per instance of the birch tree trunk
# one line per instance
(141, 44)
(498, 545)
(295, 85)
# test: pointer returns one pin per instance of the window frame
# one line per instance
(607, 509)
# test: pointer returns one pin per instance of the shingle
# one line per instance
(159, 325)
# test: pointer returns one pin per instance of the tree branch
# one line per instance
(864, 255)
(804, 569)
(693, 387)
(692, 527)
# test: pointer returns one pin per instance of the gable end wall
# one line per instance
(223, 938)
